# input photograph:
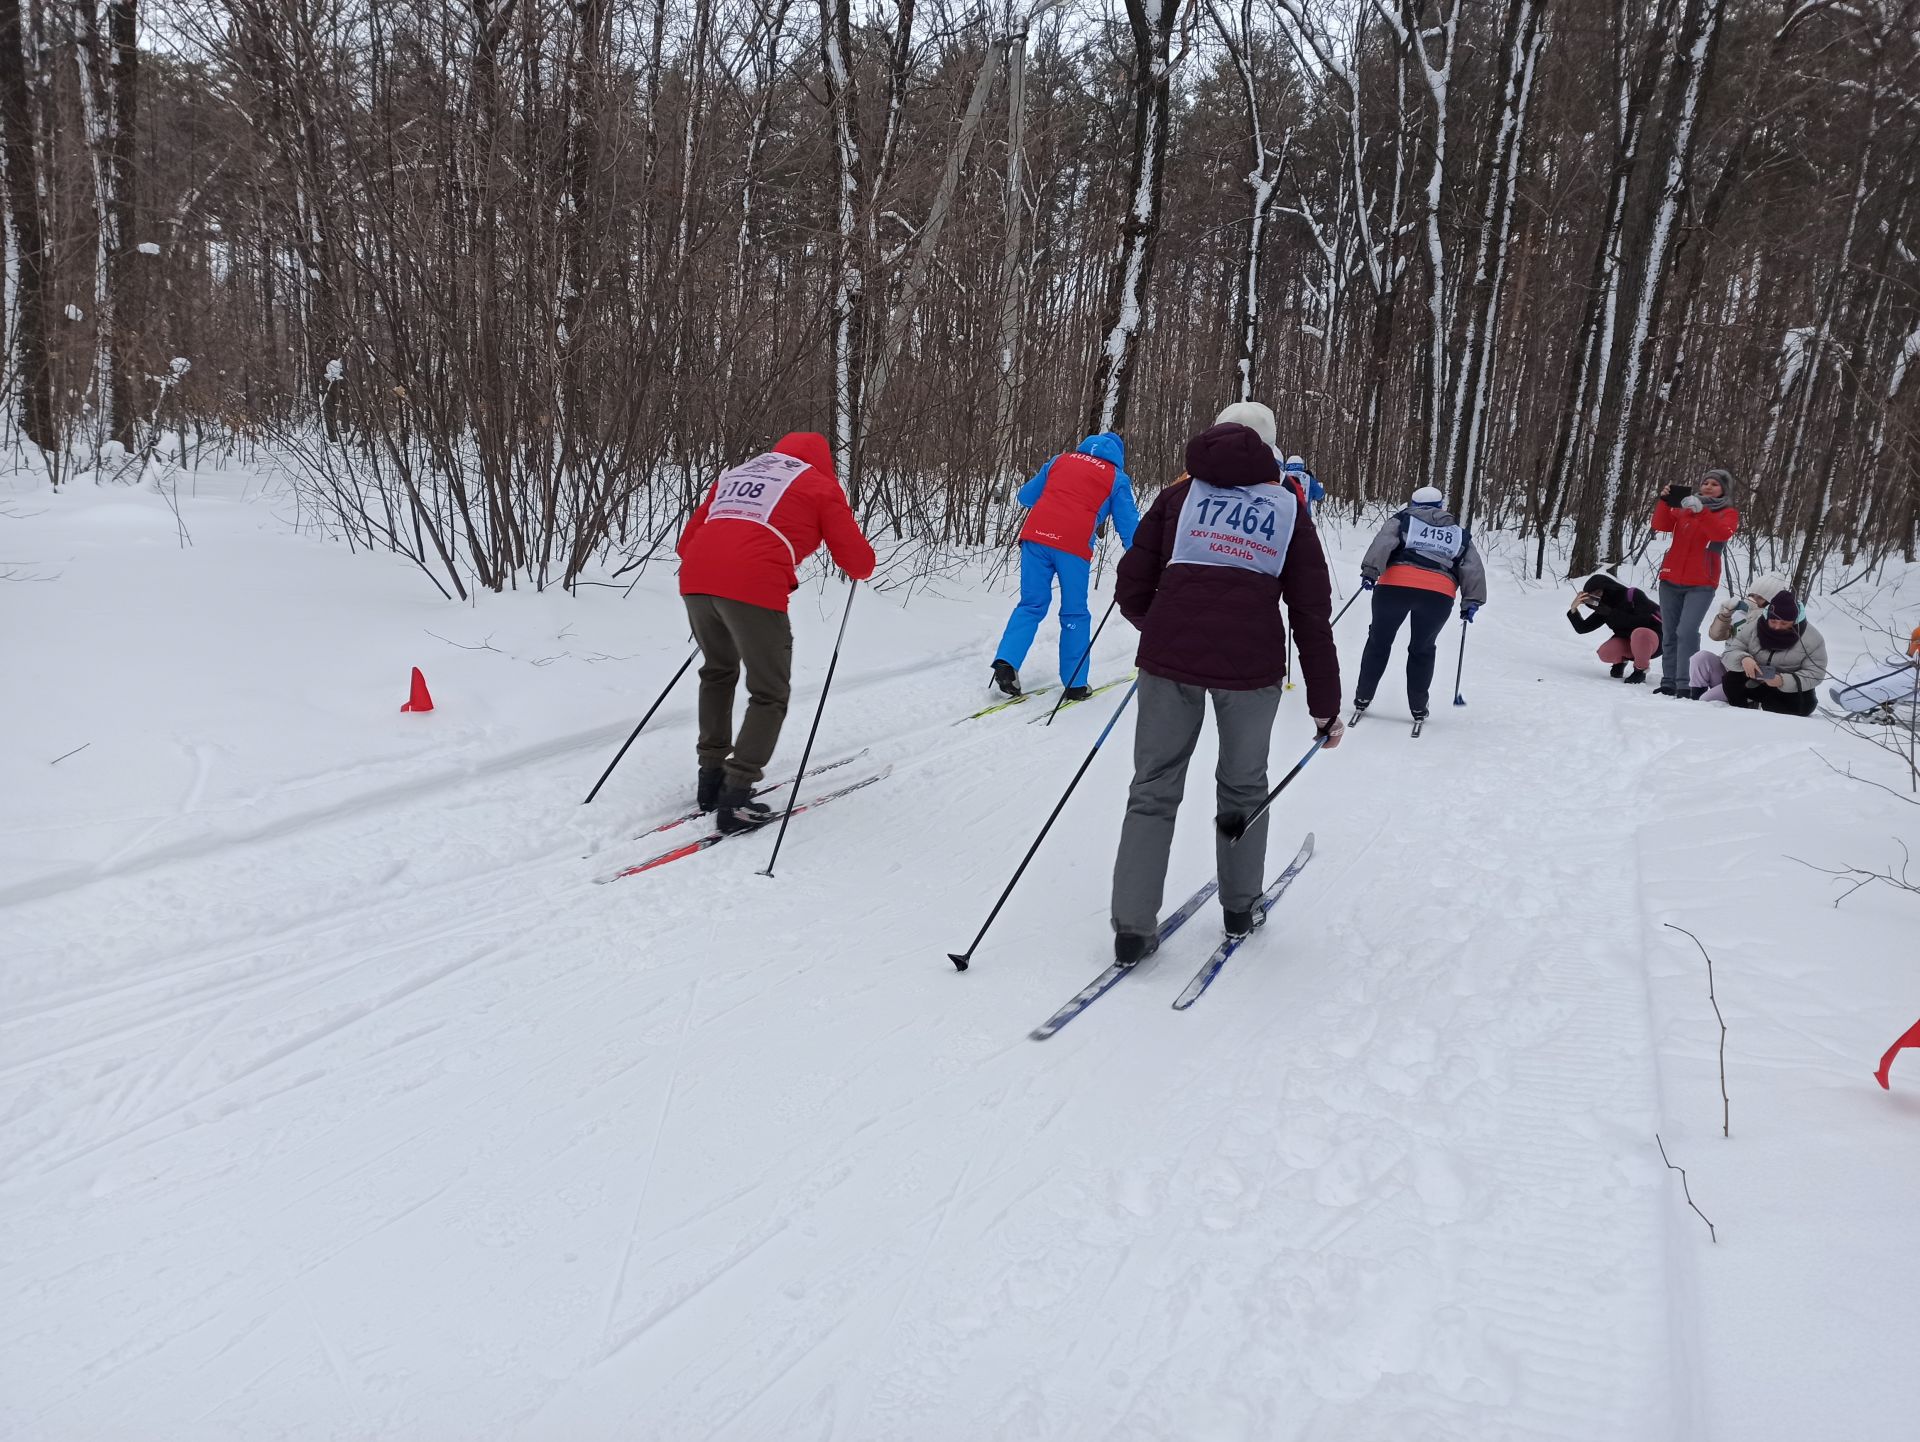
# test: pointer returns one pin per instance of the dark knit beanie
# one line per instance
(1231, 455)
(1783, 610)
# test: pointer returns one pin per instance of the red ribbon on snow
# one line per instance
(1911, 1037)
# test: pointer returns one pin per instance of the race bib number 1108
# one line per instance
(751, 490)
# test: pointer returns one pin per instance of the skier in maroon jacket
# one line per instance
(1203, 582)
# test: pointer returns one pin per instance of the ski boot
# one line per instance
(1617, 670)
(1242, 924)
(1638, 678)
(708, 791)
(1005, 677)
(1077, 693)
(1130, 948)
(739, 812)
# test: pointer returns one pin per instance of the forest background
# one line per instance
(503, 283)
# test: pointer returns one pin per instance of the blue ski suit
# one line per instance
(1041, 564)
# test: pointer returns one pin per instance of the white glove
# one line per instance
(1694, 504)
(1333, 729)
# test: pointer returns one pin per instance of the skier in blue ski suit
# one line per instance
(1068, 498)
(1308, 482)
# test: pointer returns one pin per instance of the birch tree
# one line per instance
(1151, 24)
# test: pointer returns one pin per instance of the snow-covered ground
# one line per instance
(337, 1101)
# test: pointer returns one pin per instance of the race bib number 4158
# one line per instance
(1245, 527)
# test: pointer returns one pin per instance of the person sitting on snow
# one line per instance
(1777, 663)
(1706, 670)
(1069, 497)
(1632, 617)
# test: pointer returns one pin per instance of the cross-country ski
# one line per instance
(1210, 969)
(1115, 970)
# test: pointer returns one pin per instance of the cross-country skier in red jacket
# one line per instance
(739, 560)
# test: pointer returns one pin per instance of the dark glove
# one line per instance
(1366, 583)
(1469, 610)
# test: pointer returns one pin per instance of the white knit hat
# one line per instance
(1428, 496)
(1252, 415)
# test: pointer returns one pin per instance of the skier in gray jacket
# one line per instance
(1419, 562)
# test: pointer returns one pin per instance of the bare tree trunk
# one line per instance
(108, 61)
(900, 316)
(1520, 49)
(1239, 39)
(849, 290)
(1692, 59)
(1013, 281)
(28, 218)
(1436, 68)
(1152, 23)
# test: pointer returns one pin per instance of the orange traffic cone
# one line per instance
(418, 700)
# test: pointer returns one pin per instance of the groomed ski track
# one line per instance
(392, 1124)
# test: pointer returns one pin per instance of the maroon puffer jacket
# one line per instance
(1220, 626)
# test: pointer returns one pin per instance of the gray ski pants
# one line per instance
(1682, 609)
(1165, 732)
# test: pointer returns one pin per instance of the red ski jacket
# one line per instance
(1698, 539)
(761, 519)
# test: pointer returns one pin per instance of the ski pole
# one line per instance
(1348, 607)
(960, 959)
(1085, 657)
(1460, 665)
(1239, 828)
(813, 731)
(636, 730)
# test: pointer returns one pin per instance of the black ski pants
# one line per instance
(1747, 694)
(1391, 606)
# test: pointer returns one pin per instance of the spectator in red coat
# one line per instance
(1701, 524)
(1203, 581)
(740, 557)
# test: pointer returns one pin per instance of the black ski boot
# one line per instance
(1005, 677)
(1665, 688)
(739, 812)
(1078, 693)
(1244, 923)
(711, 780)
(1130, 948)
(1618, 669)
(1359, 710)
(1693, 693)
(1638, 678)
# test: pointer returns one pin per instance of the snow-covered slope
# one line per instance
(337, 1101)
